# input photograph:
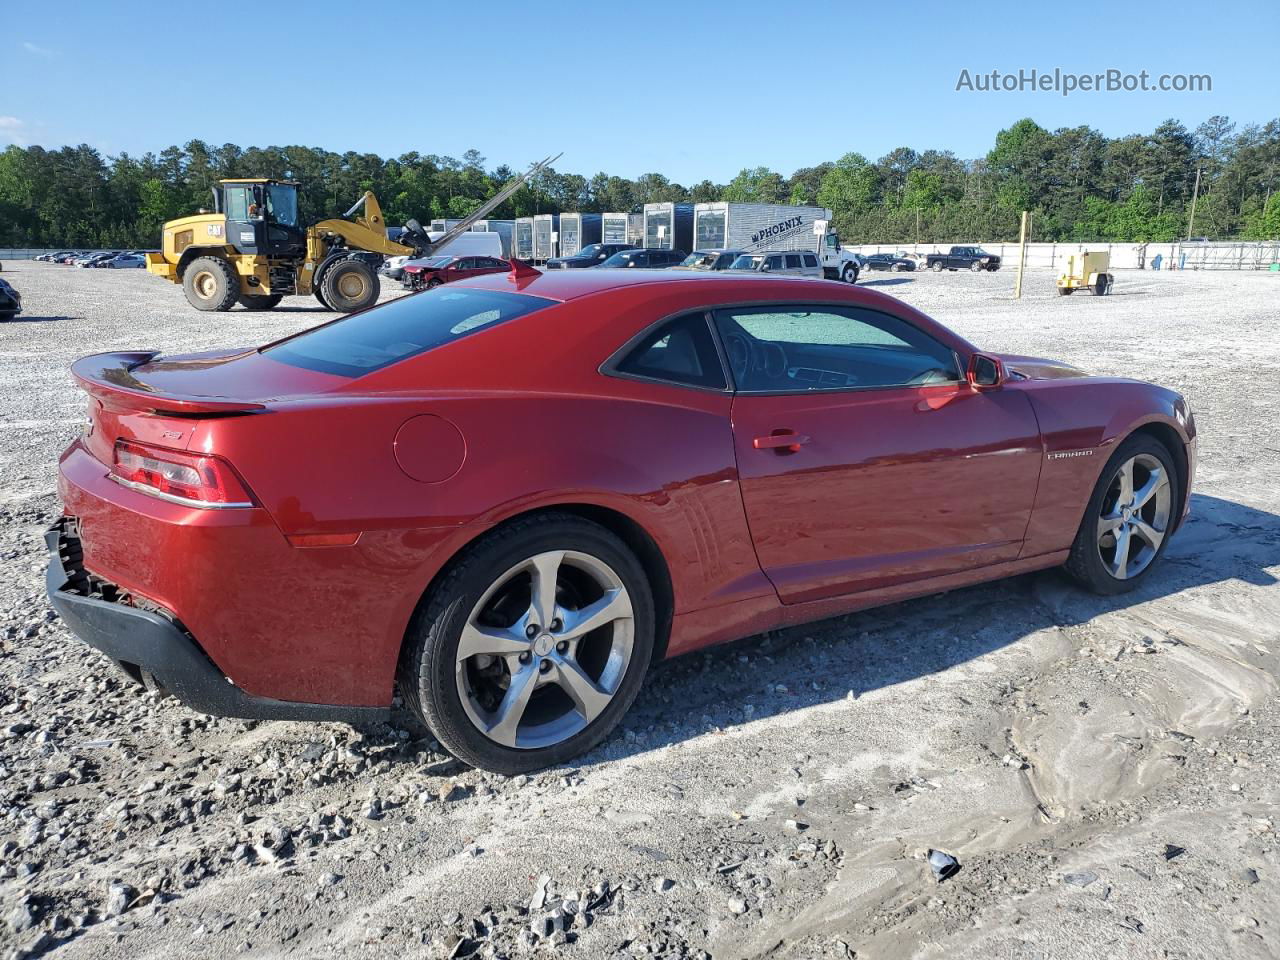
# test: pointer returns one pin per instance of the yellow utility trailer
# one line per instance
(1090, 270)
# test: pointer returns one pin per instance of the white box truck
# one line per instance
(503, 228)
(757, 227)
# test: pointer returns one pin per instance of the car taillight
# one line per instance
(195, 479)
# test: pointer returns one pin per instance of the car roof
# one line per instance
(566, 285)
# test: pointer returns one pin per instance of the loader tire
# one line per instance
(261, 303)
(350, 285)
(210, 283)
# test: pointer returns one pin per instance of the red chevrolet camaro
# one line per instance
(509, 495)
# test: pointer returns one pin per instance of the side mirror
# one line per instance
(985, 372)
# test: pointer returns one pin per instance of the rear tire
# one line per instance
(260, 303)
(211, 283)
(467, 700)
(350, 285)
(1102, 286)
(1113, 528)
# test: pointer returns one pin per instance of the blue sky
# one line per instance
(690, 90)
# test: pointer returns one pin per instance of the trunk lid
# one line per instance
(160, 400)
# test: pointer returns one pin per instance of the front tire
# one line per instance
(211, 283)
(1130, 516)
(532, 647)
(350, 285)
(936, 267)
(850, 274)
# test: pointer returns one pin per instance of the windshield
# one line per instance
(363, 342)
(701, 261)
(282, 204)
(747, 262)
(618, 259)
(592, 250)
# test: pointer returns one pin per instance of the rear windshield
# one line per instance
(383, 335)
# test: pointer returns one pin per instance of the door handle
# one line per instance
(780, 441)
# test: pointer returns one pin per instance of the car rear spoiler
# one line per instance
(109, 377)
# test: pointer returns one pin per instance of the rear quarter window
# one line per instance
(380, 336)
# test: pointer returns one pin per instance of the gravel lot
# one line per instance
(1105, 770)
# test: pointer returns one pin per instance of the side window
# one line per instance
(789, 349)
(237, 199)
(679, 351)
(810, 260)
(793, 261)
(466, 263)
(774, 263)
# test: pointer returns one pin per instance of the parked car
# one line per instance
(96, 259)
(889, 261)
(72, 257)
(709, 260)
(795, 263)
(433, 271)
(454, 538)
(126, 261)
(646, 258)
(10, 301)
(592, 255)
(55, 257)
(963, 258)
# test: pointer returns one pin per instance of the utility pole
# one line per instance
(1191, 223)
(1022, 256)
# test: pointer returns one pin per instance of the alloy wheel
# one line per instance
(1134, 518)
(545, 649)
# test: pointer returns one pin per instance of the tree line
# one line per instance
(1078, 184)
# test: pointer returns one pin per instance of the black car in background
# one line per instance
(10, 301)
(889, 261)
(710, 260)
(592, 255)
(651, 259)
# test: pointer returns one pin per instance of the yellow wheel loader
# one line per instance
(252, 250)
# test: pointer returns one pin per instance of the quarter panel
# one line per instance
(1082, 421)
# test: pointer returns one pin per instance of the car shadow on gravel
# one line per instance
(886, 282)
(26, 319)
(795, 668)
(780, 671)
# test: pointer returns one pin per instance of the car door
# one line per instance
(865, 459)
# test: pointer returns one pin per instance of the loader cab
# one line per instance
(262, 216)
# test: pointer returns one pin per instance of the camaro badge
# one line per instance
(1067, 454)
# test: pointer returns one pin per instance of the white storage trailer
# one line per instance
(668, 226)
(443, 224)
(545, 226)
(613, 227)
(757, 226)
(522, 239)
(503, 228)
(577, 230)
(622, 228)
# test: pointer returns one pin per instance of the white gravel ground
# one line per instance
(1104, 770)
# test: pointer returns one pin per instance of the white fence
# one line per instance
(1173, 256)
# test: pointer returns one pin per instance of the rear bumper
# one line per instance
(141, 639)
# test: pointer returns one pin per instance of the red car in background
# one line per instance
(510, 495)
(433, 271)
